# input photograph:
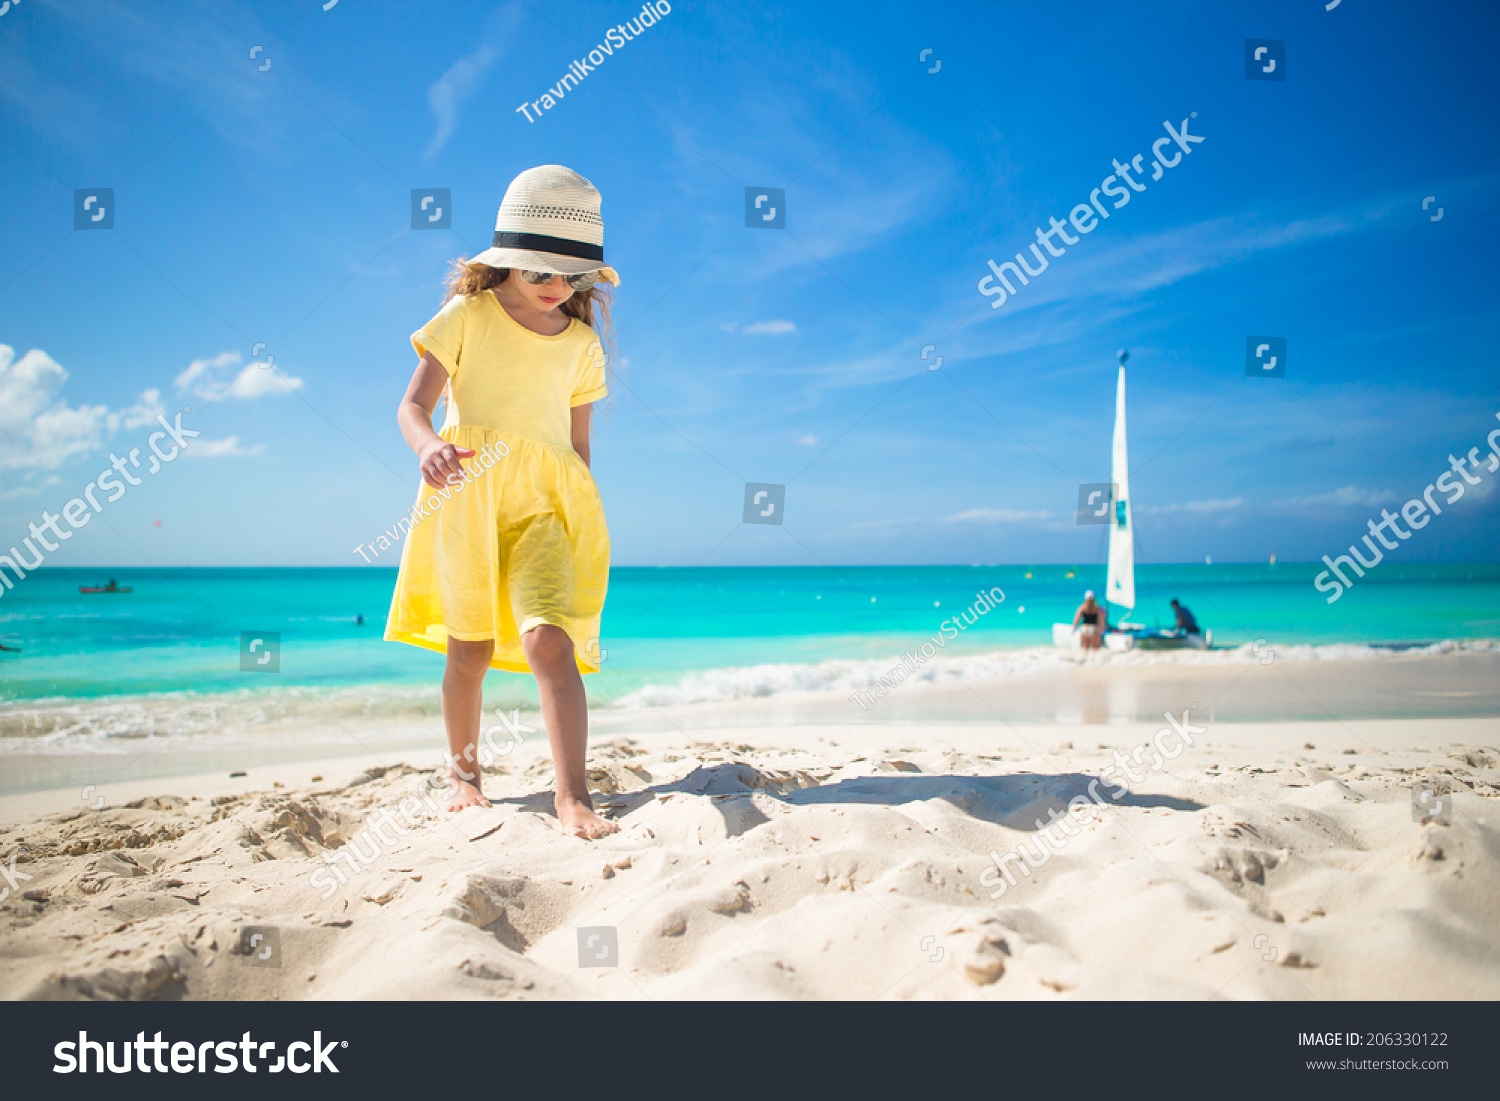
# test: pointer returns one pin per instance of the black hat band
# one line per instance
(540, 242)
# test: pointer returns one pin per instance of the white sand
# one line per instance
(1268, 861)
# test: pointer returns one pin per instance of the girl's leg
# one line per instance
(549, 651)
(463, 705)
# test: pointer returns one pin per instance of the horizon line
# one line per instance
(787, 566)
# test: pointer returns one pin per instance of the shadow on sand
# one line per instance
(1015, 800)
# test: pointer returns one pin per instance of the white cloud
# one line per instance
(1223, 504)
(853, 195)
(1345, 496)
(883, 523)
(465, 77)
(1088, 288)
(229, 447)
(769, 328)
(998, 516)
(39, 428)
(209, 378)
(201, 368)
(973, 515)
(32, 487)
(179, 61)
(808, 440)
(257, 381)
(462, 80)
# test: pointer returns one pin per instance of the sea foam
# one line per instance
(846, 677)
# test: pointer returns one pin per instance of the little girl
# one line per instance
(508, 565)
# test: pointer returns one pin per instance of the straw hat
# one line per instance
(549, 221)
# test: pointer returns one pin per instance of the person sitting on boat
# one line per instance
(1090, 621)
(1185, 621)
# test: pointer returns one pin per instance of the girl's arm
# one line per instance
(580, 432)
(439, 459)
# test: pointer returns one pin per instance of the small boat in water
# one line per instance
(110, 588)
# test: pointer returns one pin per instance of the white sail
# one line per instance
(1119, 586)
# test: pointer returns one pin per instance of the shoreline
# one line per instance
(866, 658)
(232, 734)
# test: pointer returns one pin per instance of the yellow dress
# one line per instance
(522, 541)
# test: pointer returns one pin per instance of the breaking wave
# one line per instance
(848, 677)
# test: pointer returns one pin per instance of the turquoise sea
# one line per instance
(160, 666)
(179, 629)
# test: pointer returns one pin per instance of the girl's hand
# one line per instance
(440, 463)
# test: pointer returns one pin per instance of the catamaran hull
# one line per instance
(1066, 638)
(1125, 640)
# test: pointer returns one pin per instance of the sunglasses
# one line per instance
(577, 282)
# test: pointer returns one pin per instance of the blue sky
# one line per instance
(272, 205)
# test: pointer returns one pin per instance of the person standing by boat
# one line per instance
(1185, 621)
(1091, 620)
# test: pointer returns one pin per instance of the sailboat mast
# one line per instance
(1119, 586)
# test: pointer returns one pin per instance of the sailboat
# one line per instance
(1119, 583)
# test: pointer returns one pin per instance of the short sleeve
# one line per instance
(589, 385)
(443, 336)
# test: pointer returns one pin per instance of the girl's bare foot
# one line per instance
(578, 818)
(466, 795)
